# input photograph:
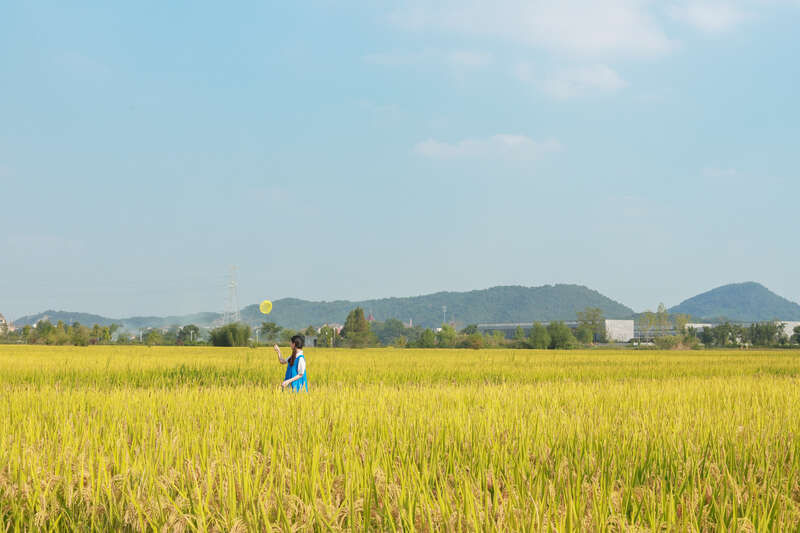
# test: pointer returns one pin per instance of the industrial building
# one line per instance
(616, 330)
(788, 328)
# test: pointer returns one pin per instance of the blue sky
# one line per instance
(346, 150)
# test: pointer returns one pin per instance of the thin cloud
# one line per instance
(717, 172)
(455, 59)
(710, 17)
(500, 146)
(572, 82)
(580, 27)
(605, 30)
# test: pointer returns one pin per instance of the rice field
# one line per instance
(187, 439)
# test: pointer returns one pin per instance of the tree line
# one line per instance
(673, 331)
(77, 334)
(666, 331)
(358, 332)
(765, 334)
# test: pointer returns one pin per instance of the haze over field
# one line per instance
(642, 149)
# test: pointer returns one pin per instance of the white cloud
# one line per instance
(717, 172)
(468, 59)
(524, 72)
(571, 82)
(454, 59)
(501, 146)
(709, 17)
(597, 29)
(581, 27)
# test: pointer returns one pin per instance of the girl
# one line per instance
(295, 366)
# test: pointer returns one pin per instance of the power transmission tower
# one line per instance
(231, 314)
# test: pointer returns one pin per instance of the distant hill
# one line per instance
(739, 302)
(131, 323)
(68, 317)
(498, 304)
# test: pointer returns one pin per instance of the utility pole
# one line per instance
(231, 314)
(444, 315)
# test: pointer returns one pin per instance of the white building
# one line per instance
(616, 330)
(619, 330)
(698, 326)
(788, 328)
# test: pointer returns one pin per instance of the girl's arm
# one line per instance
(287, 382)
(281, 360)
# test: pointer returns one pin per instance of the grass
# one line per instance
(134, 438)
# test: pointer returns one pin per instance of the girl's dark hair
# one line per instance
(298, 341)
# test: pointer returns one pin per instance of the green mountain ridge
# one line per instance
(739, 302)
(496, 304)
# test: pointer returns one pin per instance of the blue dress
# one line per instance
(291, 371)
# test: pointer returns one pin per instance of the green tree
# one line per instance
(153, 337)
(310, 331)
(356, 331)
(647, 322)
(327, 336)
(796, 336)
(446, 337)
(722, 334)
(43, 329)
(519, 337)
(286, 335)
(96, 334)
(561, 337)
(593, 318)
(469, 330)
(707, 336)
(539, 338)
(59, 337)
(765, 333)
(388, 332)
(237, 334)
(662, 318)
(473, 341)
(188, 334)
(584, 334)
(79, 335)
(496, 338)
(271, 332)
(680, 323)
(427, 339)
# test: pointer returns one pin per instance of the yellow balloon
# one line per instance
(265, 307)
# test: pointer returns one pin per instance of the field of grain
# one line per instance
(137, 438)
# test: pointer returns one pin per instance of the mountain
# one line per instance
(739, 302)
(498, 304)
(67, 317)
(131, 323)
